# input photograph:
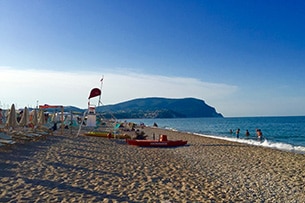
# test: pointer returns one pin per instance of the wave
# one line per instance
(263, 143)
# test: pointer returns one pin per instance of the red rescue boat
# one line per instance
(162, 142)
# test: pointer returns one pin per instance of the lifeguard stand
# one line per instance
(91, 116)
(90, 113)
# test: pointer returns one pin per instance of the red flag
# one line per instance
(94, 92)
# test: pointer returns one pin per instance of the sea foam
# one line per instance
(263, 143)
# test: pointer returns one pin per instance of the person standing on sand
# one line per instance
(237, 133)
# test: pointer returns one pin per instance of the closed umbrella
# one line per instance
(41, 118)
(24, 121)
(34, 117)
(12, 118)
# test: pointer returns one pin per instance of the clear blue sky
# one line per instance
(245, 58)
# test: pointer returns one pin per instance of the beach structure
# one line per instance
(47, 106)
(91, 116)
(90, 113)
(92, 121)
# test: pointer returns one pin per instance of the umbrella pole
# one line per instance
(62, 120)
(71, 123)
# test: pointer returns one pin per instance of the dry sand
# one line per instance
(66, 168)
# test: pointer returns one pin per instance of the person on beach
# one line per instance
(231, 131)
(54, 127)
(237, 133)
(247, 133)
(19, 115)
(259, 134)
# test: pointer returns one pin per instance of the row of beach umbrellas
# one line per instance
(37, 119)
(27, 118)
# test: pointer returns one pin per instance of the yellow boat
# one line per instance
(107, 135)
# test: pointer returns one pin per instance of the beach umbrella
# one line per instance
(41, 118)
(12, 118)
(34, 120)
(24, 121)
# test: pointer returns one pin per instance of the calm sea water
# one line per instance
(284, 133)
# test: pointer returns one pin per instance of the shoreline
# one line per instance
(278, 132)
(92, 169)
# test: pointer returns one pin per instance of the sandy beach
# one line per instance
(70, 168)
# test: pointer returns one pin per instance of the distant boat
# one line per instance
(162, 142)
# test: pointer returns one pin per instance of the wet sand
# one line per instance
(67, 168)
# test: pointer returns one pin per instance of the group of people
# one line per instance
(259, 133)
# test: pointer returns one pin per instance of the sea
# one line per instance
(283, 133)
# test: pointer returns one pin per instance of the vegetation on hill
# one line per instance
(159, 108)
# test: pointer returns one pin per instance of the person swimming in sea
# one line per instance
(259, 134)
(237, 133)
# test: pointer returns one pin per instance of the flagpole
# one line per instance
(100, 97)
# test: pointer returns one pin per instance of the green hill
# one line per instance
(159, 108)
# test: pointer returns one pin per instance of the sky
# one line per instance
(244, 58)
